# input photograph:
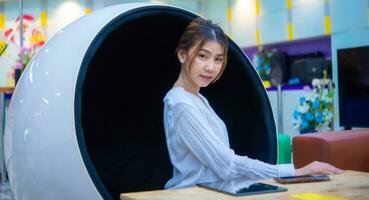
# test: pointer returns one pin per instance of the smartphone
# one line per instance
(301, 179)
(241, 187)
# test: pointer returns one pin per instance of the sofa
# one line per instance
(348, 150)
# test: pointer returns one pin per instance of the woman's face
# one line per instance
(206, 64)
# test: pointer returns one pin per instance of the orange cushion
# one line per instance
(343, 149)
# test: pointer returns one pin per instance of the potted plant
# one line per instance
(315, 110)
(261, 61)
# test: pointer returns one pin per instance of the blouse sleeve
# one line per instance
(193, 129)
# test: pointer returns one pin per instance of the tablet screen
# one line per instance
(240, 187)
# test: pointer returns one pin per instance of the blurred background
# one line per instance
(290, 42)
(312, 55)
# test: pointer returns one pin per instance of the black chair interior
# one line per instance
(131, 66)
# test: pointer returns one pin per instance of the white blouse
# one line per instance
(198, 145)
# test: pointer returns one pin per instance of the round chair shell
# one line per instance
(85, 121)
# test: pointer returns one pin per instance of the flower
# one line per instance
(315, 82)
(3, 46)
(18, 65)
(319, 117)
(296, 114)
(304, 125)
(315, 109)
(261, 62)
(24, 57)
(33, 39)
(307, 88)
(303, 108)
(316, 103)
(302, 100)
(309, 117)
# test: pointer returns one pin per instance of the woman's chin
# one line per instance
(205, 85)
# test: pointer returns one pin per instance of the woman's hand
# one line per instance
(318, 168)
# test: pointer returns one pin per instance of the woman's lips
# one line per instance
(206, 77)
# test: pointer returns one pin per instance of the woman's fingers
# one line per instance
(333, 169)
(319, 168)
(337, 170)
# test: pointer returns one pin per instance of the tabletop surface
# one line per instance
(6, 89)
(348, 185)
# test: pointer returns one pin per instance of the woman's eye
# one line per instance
(218, 60)
(202, 56)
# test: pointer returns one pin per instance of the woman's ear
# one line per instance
(182, 56)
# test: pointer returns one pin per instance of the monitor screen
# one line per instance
(353, 86)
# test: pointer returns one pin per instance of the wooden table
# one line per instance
(348, 185)
(6, 89)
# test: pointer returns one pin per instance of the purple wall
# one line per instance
(322, 44)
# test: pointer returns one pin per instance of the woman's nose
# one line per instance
(210, 66)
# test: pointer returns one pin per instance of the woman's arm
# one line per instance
(195, 132)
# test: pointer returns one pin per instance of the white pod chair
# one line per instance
(85, 121)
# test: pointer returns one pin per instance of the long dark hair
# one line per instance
(198, 32)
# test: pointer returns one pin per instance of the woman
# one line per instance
(197, 138)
